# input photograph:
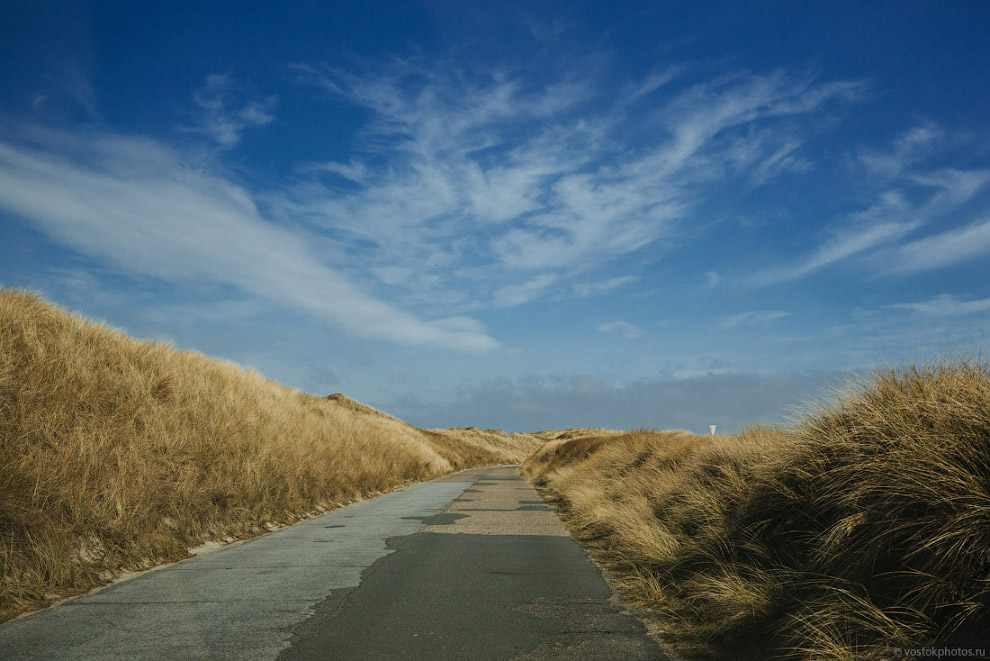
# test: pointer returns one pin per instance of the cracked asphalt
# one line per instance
(470, 566)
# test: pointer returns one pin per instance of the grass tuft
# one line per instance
(863, 528)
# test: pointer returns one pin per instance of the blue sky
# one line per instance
(511, 215)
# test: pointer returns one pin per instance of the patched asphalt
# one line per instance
(471, 566)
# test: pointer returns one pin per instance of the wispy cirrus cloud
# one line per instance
(464, 191)
(752, 318)
(525, 291)
(920, 198)
(135, 204)
(585, 289)
(223, 116)
(906, 149)
(941, 250)
(623, 328)
(945, 305)
(513, 190)
(867, 234)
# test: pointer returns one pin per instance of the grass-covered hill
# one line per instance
(860, 533)
(120, 454)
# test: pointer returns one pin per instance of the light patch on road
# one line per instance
(501, 503)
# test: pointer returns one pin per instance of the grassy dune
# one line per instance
(118, 454)
(864, 528)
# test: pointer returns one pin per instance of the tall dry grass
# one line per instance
(863, 530)
(116, 453)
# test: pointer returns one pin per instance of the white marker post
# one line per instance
(711, 429)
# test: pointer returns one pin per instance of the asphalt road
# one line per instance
(471, 566)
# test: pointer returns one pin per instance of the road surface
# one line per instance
(471, 566)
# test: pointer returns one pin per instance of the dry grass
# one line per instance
(117, 454)
(864, 528)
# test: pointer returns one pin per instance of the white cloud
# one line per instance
(465, 191)
(952, 188)
(945, 305)
(525, 292)
(585, 289)
(623, 328)
(707, 109)
(222, 118)
(907, 149)
(842, 245)
(922, 196)
(784, 159)
(353, 171)
(523, 188)
(753, 318)
(132, 203)
(887, 221)
(942, 250)
(650, 84)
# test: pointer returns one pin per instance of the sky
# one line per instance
(512, 215)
